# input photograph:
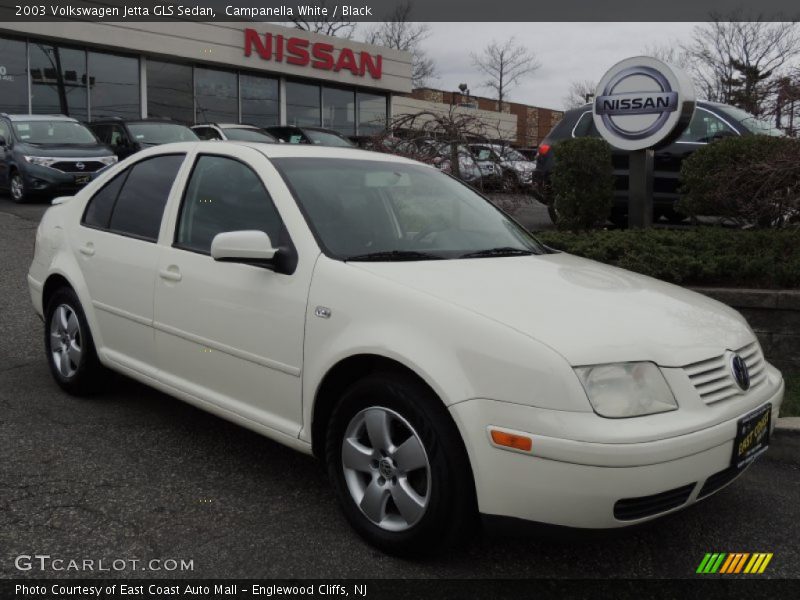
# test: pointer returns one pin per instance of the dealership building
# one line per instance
(257, 73)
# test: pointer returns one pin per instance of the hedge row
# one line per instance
(703, 256)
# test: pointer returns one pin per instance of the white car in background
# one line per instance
(386, 318)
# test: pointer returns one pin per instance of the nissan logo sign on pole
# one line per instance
(641, 104)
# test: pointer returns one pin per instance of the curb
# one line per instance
(785, 445)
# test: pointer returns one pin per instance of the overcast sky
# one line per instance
(567, 51)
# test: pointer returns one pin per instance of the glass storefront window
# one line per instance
(13, 77)
(170, 91)
(216, 96)
(302, 104)
(114, 86)
(371, 113)
(58, 80)
(260, 102)
(339, 110)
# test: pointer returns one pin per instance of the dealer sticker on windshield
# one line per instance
(752, 436)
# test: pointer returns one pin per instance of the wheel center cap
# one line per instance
(386, 468)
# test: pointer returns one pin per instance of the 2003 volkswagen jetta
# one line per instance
(387, 318)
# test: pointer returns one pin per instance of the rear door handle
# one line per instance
(87, 249)
(171, 273)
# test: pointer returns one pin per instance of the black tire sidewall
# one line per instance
(449, 506)
(85, 378)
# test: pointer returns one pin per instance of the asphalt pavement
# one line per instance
(134, 474)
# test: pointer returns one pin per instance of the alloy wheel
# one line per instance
(65, 340)
(17, 188)
(386, 468)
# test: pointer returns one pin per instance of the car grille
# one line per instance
(719, 480)
(69, 166)
(713, 380)
(630, 509)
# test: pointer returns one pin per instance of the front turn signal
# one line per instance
(512, 440)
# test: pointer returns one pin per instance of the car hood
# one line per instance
(66, 151)
(588, 312)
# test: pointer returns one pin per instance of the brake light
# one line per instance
(544, 149)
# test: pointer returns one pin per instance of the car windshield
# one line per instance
(161, 133)
(325, 138)
(754, 124)
(381, 210)
(245, 134)
(53, 132)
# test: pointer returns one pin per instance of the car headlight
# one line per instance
(627, 389)
(42, 161)
(108, 160)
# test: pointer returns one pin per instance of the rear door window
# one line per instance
(141, 201)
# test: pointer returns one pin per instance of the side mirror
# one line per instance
(249, 247)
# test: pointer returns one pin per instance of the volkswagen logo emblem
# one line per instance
(740, 373)
(636, 92)
(642, 102)
(80, 166)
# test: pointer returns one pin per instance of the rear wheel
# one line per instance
(399, 467)
(17, 188)
(69, 345)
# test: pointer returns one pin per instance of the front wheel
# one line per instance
(399, 467)
(69, 345)
(17, 187)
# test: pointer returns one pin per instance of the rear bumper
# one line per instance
(595, 485)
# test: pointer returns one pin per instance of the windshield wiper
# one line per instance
(389, 255)
(503, 251)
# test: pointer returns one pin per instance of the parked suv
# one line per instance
(47, 155)
(232, 131)
(310, 135)
(711, 121)
(126, 137)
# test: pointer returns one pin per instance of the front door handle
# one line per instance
(171, 273)
(87, 249)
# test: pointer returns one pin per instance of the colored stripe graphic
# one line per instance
(734, 562)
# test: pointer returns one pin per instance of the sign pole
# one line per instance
(640, 188)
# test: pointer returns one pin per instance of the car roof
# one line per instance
(40, 118)
(271, 150)
(118, 120)
(226, 125)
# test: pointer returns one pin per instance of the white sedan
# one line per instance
(383, 316)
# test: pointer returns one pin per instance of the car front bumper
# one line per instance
(592, 485)
(47, 181)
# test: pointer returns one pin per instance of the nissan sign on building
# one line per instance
(642, 102)
(260, 74)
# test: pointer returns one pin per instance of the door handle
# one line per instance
(171, 273)
(87, 249)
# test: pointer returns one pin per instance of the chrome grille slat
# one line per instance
(713, 380)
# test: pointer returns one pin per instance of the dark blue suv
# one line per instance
(48, 155)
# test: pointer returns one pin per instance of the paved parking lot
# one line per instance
(135, 474)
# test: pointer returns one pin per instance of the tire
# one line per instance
(423, 467)
(69, 346)
(509, 183)
(16, 188)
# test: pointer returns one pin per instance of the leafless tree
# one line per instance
(400, 33)
(326, 25)
(740, 62)
(504, 65)
(579, 93)
(672, 53)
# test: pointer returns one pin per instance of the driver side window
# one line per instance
(705, 127)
